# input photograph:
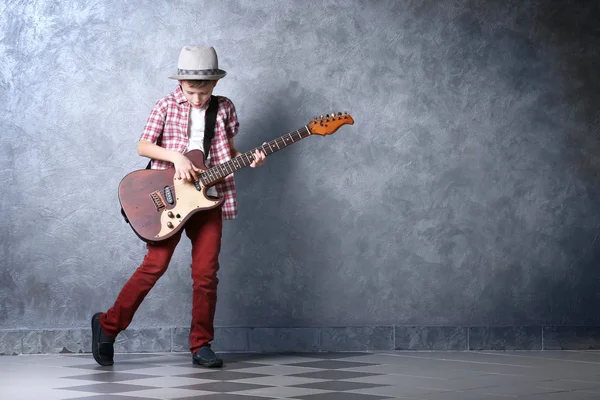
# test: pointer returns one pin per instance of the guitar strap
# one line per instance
(209, 126)
(209, 133)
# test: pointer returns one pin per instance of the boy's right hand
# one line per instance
(184, 168)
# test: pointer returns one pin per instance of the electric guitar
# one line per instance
(157, 205)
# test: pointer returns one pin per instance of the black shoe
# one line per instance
(102, 344)
(207, 358)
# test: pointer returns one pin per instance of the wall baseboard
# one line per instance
(313, 339)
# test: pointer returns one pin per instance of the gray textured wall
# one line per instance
(467, 192)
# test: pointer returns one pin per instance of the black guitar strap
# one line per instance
(209, 133)
(209, 126)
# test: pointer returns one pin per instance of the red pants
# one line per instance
(204, 230)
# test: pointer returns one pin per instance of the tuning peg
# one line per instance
(321, 116)
(339, 113)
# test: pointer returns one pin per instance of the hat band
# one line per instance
(200, 72)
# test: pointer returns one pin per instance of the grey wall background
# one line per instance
(466, 194)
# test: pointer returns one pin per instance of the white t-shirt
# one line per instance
(196, 135)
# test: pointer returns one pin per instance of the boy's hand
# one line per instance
(184, 168)
(259, 159)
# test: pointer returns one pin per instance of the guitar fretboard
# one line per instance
(211, 175)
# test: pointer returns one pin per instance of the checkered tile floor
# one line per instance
(544, 375)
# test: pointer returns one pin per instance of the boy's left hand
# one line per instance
(259, 159)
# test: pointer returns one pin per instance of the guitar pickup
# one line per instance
(157, 200)
(169, 195)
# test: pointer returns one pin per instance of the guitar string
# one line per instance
(203, 173)
(248, 155)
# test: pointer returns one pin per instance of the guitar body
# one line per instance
(157, 206)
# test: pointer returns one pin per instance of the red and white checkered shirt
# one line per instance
(170, 117)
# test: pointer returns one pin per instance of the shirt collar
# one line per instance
(179, 97)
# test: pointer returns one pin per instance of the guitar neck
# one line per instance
(214, 174)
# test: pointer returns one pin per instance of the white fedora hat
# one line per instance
(198, 63)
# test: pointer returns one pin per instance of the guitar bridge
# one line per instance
(157, 200)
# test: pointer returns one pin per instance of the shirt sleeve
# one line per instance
(231, 125)
(156, 122)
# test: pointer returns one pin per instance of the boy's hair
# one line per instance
(198, 83)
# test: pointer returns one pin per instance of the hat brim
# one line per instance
(214, 77)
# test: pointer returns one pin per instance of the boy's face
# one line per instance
(197, 96)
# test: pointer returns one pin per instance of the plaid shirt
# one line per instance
(170, 117)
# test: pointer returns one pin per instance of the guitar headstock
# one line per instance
(329, 124)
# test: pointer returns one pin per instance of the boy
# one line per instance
(175, 126)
